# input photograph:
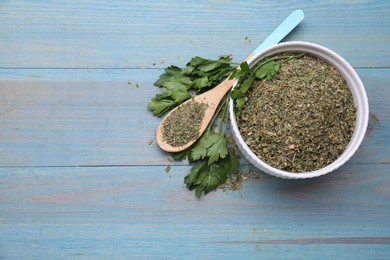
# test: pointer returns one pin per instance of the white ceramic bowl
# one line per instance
(359, 97)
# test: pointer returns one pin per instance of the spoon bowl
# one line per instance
(212, 98)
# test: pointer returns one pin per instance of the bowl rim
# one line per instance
(359, 97)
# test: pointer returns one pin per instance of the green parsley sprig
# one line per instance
(213, 161)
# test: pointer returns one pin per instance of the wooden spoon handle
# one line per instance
(281, 31)
(276, 36)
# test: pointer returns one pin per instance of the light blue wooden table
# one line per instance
(79, 178)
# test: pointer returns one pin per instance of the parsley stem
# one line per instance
(225, 118)
(215, 116)
(285, 58)
(222, 117)
(223, 114)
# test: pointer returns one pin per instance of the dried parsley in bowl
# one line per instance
(302, 119)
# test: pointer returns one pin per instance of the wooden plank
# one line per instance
(72, 117)
(131, 34)
(144, 212)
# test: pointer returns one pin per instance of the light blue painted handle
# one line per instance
(282, 30)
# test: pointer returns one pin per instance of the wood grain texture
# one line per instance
(92, 211)
(135, 34)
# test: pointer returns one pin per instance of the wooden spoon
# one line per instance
(214, 96)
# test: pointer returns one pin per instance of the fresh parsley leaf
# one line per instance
(239, 104)
(215, 176)
(207, 65)
(194, 178)
(175, 81)
(202, 82)
(205, 178)
(268, 70)
(246, 84)
(216, 147)
(211, 65)
(244, 67)
(181, 155)
(163, 96)
(171, 76)
(241, 71)
(208, 73)
(241, 90)
(180, 94)
(210, 145)
(159, 105)
(199, 151)
(237, 94)
(230, 164)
